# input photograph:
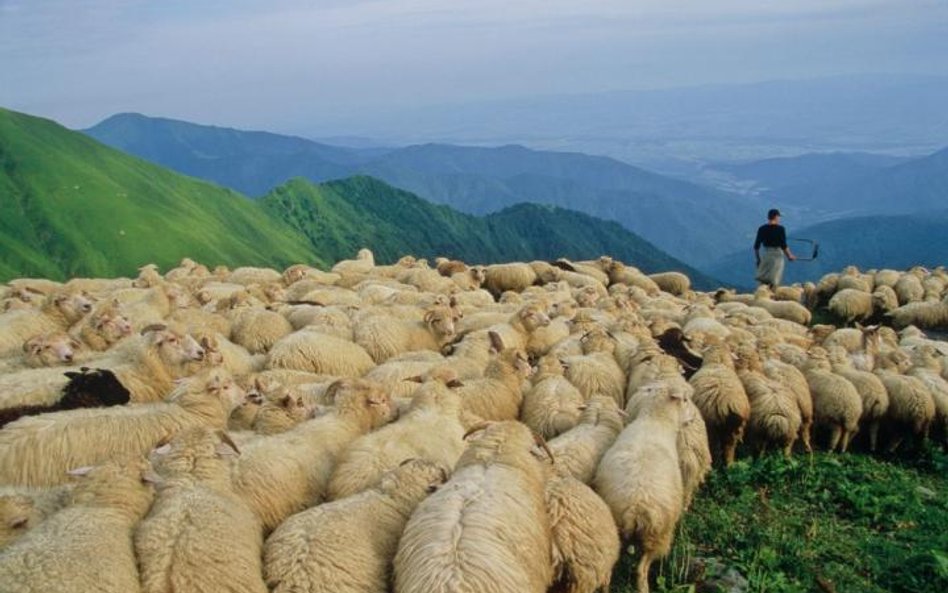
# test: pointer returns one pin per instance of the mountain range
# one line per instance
(476, 180)
(73, 206)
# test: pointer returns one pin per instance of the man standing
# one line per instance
(774, 239)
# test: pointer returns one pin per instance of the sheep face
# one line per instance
(221, 385)
(73, 307)
(533, 316)
(50, 350)
(111, 326)
(176, 349)
(440, 322)
(364, 399)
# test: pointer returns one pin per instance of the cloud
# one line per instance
(283, 63)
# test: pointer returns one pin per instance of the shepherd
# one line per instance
(773, 237)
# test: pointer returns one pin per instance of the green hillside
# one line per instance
(73, 207)
(394, 222)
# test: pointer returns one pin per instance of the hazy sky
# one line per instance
(285, 64)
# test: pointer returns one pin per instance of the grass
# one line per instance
(822, 523)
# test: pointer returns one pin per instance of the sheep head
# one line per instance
(440, 321)
(50, 350)
(73, 306)
(362, 400)
(123, 485)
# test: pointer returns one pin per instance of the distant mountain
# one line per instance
(915, 186)
(394, 222)
(868, 242)
(249, 162)
(477, 180)
(74, 207)
(809, 169)
(868, 112)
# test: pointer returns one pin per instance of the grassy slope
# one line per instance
(72, 207)
(393, 222)
(854, 522)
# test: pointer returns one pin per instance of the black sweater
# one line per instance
(771, 235)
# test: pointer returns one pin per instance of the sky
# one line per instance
(290, 64)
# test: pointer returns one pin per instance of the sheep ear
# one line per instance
(287, 401)
(496, 342)
(475, 429)
(227, 446)
(79, 472)
(18, 521)
(454, 383)
(415, 379)
(429, 316)
(150, 476)
(162, 449)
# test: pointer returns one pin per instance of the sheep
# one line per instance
(640, 480)
(909, 288)
(104, 327)
(836, 403)
(198, 535)
(775, 415)
(694, 452)
(674, 283)
(384, 337)
(553, 404)
(319, 353)
(248, 275)
(85, 389)
(875, 398)
(37, 451)
(471, 279)
(596, 370)
(923, 368)
(911, 406)
(794, 379)
(790, 311)
(348, 546)
(500, 278)
(221, 352)
(853, 305)
(275, 417)
(50, 349)
(59, 312)
(460, 538)
(585, 539)
(362, 264)
(258, 331)
(150, 365)
(886, 278)
(722, 401)
(926, 315)
(498, 395)
(580, 449)
(619, 273)
(22, 509)
(283, 474)
(55, 557)
(431, 429)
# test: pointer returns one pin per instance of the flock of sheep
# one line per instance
(422, 429)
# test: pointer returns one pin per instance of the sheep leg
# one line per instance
(835, 438)
(873, 436)
(847, 436)
(645, 563)
(805, 432)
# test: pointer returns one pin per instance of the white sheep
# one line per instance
(431, 429)
(775, 414)
(585, 539)
(674, 283)
(103, 508)
(836, 403)
(285, 473)
(384, 336)
(460, 538)
(911, 406)
(875, 398)
(348, 546)
(60, 311)
(259, 330)
(694, 452)
(315, 352)
(198, 535)
(362, 264)
(722, 401)
(500, 278)
(22, 509)
(498, 395)
(639, 478)
(38, 450)
(790, 311)
(553, 404)
(580, 449)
